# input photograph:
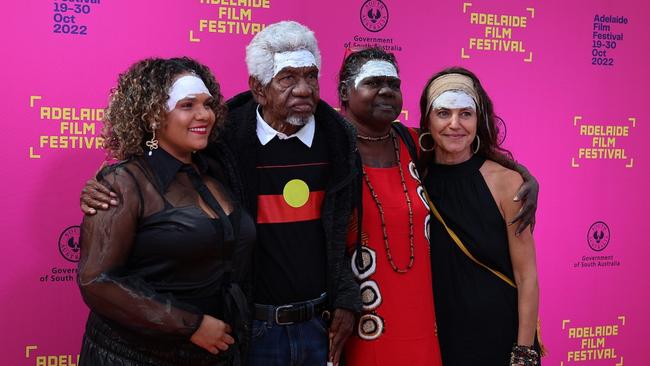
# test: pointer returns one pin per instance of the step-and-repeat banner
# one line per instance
(569, 78)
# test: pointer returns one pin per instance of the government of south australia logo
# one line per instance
(598, 236)
(69, 243)
(374, 15)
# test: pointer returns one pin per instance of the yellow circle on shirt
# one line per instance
(296, 193)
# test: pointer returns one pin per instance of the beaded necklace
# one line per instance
(373, 138)
(375, 198)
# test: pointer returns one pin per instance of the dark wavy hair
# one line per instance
(352, 64)
(140, 98)
(490, 147)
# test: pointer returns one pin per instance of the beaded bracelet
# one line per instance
(524, 355)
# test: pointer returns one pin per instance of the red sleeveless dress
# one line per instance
(398, 324)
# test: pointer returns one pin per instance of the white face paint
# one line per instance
(454, 99)
(187, 86)
(375, 68)
(295, 59)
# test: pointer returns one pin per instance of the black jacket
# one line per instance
(239, 134)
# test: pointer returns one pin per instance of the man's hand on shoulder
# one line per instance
(528, 195)
(95, 196)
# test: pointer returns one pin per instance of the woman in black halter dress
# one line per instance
(484, 274)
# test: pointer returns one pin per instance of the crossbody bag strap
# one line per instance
(466, 251)
(462, 246)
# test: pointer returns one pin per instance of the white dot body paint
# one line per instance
(454, 99)
(300, 58)
(375, 68)
(188, 86)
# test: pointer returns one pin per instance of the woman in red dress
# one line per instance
(390, 255)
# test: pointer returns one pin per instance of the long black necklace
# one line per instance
(375, 198)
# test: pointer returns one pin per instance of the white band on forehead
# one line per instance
(374, 68)
(299, 58)
(184, 87)
(454, 99)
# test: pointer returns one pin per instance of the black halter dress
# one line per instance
(476, 311)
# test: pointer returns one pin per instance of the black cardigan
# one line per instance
(239, 135)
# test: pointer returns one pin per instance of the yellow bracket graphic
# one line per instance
(28, 349)
(620, 363)
(32, 99)
(633, 120)
(465, 6)
(530, 57)
(32, 155)
(565, 322)
(573, 165)
(192, 39)
(622, 317)
(629, 165)
(532, 12)
(462, 53)
(576, 119)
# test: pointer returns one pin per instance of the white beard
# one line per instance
(298, 121)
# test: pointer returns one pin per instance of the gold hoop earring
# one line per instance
(478, 144)
(153, 143)
(420, 142)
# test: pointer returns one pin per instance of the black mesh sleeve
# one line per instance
(106, 241)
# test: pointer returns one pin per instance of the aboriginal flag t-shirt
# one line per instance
(290, 259)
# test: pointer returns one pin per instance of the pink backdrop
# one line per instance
(558, 89)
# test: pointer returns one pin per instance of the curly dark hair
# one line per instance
(353, 63)
(490, 147)
(140, 98)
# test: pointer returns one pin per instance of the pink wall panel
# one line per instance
(568, 77)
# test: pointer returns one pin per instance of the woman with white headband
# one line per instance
(390, 252)
(484, 272)
(164, 271)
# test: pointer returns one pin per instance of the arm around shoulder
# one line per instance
(96, 196)
(527, 193)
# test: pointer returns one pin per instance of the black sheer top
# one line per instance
(176, 247)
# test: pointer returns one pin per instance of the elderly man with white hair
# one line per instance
(296, 157)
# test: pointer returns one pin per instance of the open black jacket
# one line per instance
(239, 135)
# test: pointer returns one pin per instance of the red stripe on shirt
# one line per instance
(273, 209)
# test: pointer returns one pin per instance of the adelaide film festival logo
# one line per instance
(598, 236)
(69, 243)
(374, 15)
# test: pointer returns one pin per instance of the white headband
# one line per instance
(299, 58)
(374, 68)
(184, 87)
(454, 99)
